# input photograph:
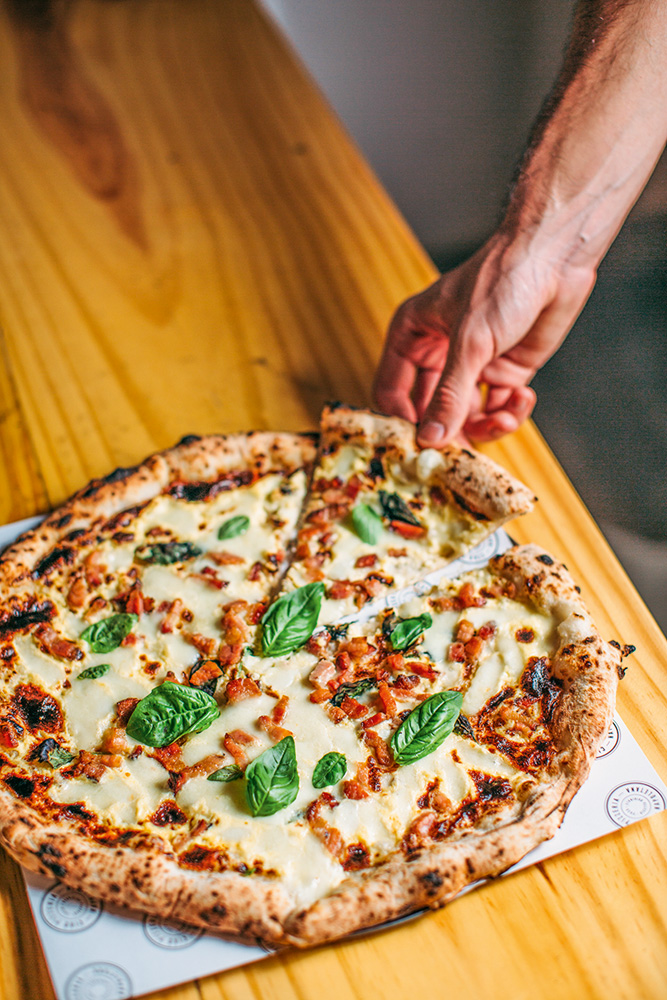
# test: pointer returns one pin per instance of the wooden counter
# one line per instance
(189, 242)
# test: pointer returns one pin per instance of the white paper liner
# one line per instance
(100, 952)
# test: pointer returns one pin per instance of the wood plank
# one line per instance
(194, 244)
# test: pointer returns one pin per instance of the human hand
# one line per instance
(458, 356)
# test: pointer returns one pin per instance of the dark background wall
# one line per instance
(440, 95)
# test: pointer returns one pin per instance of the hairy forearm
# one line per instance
(599, 136)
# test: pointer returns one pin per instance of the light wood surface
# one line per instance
(189, 242)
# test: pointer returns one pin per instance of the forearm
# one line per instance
(600, 134)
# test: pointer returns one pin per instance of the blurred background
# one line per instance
(440, 95)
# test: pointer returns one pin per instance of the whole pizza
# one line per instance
(217, 706)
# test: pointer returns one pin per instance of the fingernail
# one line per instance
(431, 433)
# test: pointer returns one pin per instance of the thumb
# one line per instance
(452, 398)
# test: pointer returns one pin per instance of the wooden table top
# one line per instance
(189, 242)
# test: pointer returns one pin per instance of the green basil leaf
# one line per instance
(407, 630)
(166, 553)
(272, 780)
(290, 620)
(462, 727)
(97, 670)
(366, 523)
(352, 690)
(170, 711)
(329, 770)
(232, 772)
(426, 727)
(234, 526)
(395, 508)
(106, 635)
(59, 757)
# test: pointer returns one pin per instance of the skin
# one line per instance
(459, 356)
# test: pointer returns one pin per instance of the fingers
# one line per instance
(392, 385)
(505, 410)
(455, 394)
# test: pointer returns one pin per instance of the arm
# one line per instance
(500, 316)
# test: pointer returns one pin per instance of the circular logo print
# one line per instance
(610, 742)
(98, 981)
(173, 935)
(69, 910)
(480, 555)
(636, 800)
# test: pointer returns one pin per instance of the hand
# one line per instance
(492, 322)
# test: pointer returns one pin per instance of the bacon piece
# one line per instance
(135, 603)
(331, 512)
(233, 625)
(172, 617)
(442, 603)
(170, 757)
(207, 670)
(125, 708)
(387, 699)
(168, 814)
(77, 594)
(457, 652)
(374, 720)
(420, 831)
(487, 630)
(279, 712)
(335, 714)
(353, 789)
(353, 709)
(397, 553)
(320, 695)
(234, 743)
(366, 561)
(255, 571)
(204, 644)
(467, 597)
(358, 649)
(341, 589)
(407, 530)
(328, 835)
(114, 741)
(273, 731)
(93, 765)
(201, 769)
(395, 662)
(225, 558)
(381, 751)
(465, 630)
(256, 612)
(312, 566)
(473, 647)
(50, 642)
(209, 576)
(324, 671)
(94, 608)
(229, 655)
(240, 688)
(94, 571)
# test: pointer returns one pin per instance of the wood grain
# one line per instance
(192, 243)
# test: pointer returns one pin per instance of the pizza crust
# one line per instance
(483, 488)
(193, 459)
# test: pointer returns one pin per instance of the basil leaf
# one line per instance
(234, 526)
(337, 632)
(230, 773)
(290, 620)
(329, 769)
(272, 780)
(59, 757)
(366, 523)
(170, 711)
(352, 690)
(108, 634)
(407, 631)
(395, 508)
(97, 670)
(166, 553)
(426, 727)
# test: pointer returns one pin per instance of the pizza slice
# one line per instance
(381, 513)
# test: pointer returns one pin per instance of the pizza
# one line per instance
(187, 728)
(381, 512)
